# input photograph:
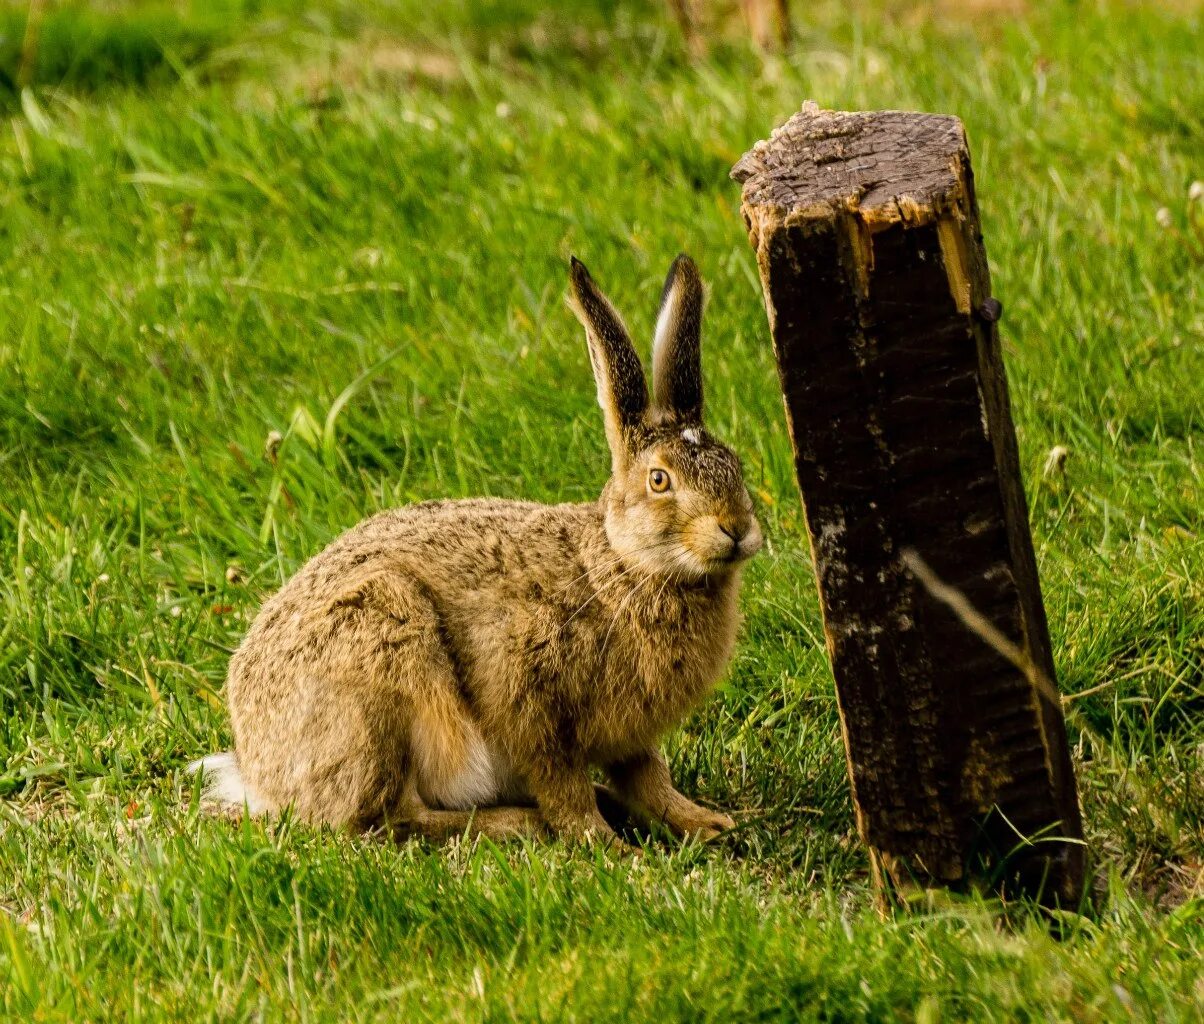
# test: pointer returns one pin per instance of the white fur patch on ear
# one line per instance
(666, 328)
(691, 436)
(676, 367)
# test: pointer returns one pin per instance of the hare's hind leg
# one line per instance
(450, 776)
(416, 818)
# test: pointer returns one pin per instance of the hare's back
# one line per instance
(455, 532)
(470, 545)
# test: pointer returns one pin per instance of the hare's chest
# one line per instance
(664, 670)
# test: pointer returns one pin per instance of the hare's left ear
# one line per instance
(677, 348)
(622, 392)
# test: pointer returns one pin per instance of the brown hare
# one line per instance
(462, 665)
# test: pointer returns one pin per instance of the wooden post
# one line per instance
(871, 257)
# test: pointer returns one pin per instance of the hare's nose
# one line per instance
(737, 531)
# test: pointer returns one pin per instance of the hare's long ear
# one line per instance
(676, 350)
(622, 392)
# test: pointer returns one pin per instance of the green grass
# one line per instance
(205, 243)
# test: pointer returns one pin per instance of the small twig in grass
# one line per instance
(1070, 698)
(978, 624)
(986, 630)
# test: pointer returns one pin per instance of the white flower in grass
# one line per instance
(1055, 461)
(1164, 217)
(271, 445)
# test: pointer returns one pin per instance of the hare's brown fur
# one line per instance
(443, 659)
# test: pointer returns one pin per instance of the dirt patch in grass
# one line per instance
(376, 60)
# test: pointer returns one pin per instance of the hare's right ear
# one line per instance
(622, 392)
(676, 350)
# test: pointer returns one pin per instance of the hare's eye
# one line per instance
(658, 481)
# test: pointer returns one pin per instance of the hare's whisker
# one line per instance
(614, 621)
(617, 558)
(611, 582)
(598, 593)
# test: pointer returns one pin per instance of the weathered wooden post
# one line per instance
(879, 300)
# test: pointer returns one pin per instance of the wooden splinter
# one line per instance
(876, 285)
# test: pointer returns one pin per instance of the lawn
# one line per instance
(344, 229)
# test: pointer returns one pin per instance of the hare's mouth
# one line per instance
(723, 561)
(734, 556)
(737, 545)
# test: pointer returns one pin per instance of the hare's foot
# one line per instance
(643, 783)
(491, 822)
(416, 818)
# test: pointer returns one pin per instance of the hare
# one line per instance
(460, 666)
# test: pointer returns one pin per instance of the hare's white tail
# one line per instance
(223, 784)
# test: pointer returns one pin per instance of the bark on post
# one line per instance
(871, 257)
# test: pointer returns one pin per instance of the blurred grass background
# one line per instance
(348, 225)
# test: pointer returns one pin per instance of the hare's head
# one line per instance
(676, 502)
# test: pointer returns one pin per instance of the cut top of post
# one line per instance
(888, 166)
